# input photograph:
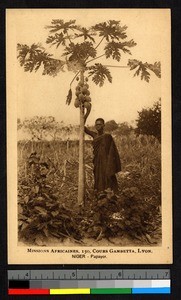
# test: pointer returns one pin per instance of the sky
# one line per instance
(44, 95)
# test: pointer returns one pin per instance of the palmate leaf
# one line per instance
(79, 52)
(99, 73)
(59, 24)
(85, 33)
(112, 49)
(35, 56)
(111, 30)
(53, 66)
(142, 69)
(127, 44)
(156, 68)
(58, 39)
(27, 54)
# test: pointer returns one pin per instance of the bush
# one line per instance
(149, 121)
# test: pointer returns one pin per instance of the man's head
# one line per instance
(99, 124)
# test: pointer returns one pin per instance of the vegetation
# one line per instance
(47, 185)
(79, 48)
(149, 121)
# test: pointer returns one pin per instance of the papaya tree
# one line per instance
(79, 48)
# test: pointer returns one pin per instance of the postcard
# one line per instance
(89, 166)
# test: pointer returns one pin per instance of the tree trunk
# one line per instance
(81, 180)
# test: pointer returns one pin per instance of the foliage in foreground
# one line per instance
(48, 195)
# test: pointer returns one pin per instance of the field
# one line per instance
(47, 195)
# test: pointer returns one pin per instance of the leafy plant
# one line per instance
(47, 194)
(41, 214)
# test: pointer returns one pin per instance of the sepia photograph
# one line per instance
(89, 136)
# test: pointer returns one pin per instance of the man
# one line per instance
(106, 158)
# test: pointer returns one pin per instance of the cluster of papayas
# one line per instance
(82, 93)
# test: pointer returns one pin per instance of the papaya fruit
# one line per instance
(81, 83)
(87, 104)
(88, 93)
(84, 89)
(76, 102)
(87, 99)
(81, 97)
(77, 93)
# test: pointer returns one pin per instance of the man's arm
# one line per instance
(86, 130)
(89, 132)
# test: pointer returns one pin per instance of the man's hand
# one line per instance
(89, 132)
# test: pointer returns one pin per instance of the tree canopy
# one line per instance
(149, 121)
(80, 46)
